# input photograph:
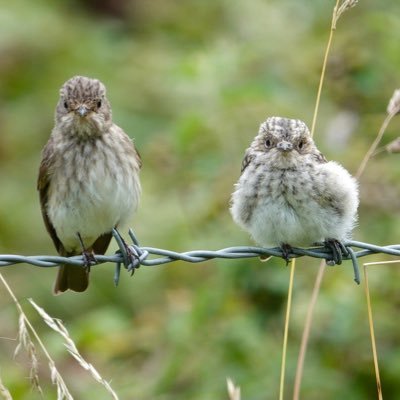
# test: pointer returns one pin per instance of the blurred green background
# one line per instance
(191, 82)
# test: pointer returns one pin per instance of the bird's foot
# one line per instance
(87, 255)
(133, 259)
(338, 250)
(129, 254)
(88, 259)
(286, 250)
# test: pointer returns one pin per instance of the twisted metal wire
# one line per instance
(133, 256)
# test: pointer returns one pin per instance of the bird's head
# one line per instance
(284, 139)
(83, 108)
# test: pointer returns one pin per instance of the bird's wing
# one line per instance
(248, 157)
(319, 157)
(129, 143)
(102, 242)
(43, 187)
(140, 162)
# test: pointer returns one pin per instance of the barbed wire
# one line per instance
(133, 256)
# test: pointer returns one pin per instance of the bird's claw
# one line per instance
(88, 256)
(286, 250)
(338, 250)
(88, 259)
(132, 258)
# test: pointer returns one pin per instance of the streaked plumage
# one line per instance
(288, 193)
(88, 178)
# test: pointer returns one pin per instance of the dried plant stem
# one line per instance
(337, 12)
(324, 64)
(306, 331)
(286, 330)
(382, 262)
(58, 327)
(372, 334)
(62, 390)
(21, 311)
(393, 109)
(310, 311)
(316, 289)
(375, 143)
(4, 393)
(233, 390)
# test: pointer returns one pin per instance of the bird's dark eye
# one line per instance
(300, 145)
(268, 143)
(98, 103)
(65, 105)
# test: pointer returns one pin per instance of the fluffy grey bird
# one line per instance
(88, 178)
(289, 195)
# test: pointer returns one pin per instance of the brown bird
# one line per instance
(88, 178)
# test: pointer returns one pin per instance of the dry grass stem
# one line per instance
(394, 103)
(56, 379)
(382, 262)
(286, 330)
(394, 146)
(322, 77)
(338, 10)
(4, 393)
(371, 323)
(233, 391)
(24, 336)
(341, 8)
(306, 331)
(58, 327)
(372, 334)
(25, 342)
(393, 109)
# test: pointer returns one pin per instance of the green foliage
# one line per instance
(191, 82)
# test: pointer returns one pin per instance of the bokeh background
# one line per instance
(191, 82)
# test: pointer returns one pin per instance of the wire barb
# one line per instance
(133, 256)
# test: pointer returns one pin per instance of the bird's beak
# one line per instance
(284, 146)
(82, 111)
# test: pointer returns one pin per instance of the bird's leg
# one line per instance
(337, 249)
(286, 250)
(131, 258)
(88, 256)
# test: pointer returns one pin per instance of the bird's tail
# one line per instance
(76, 277)
(73, 277)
